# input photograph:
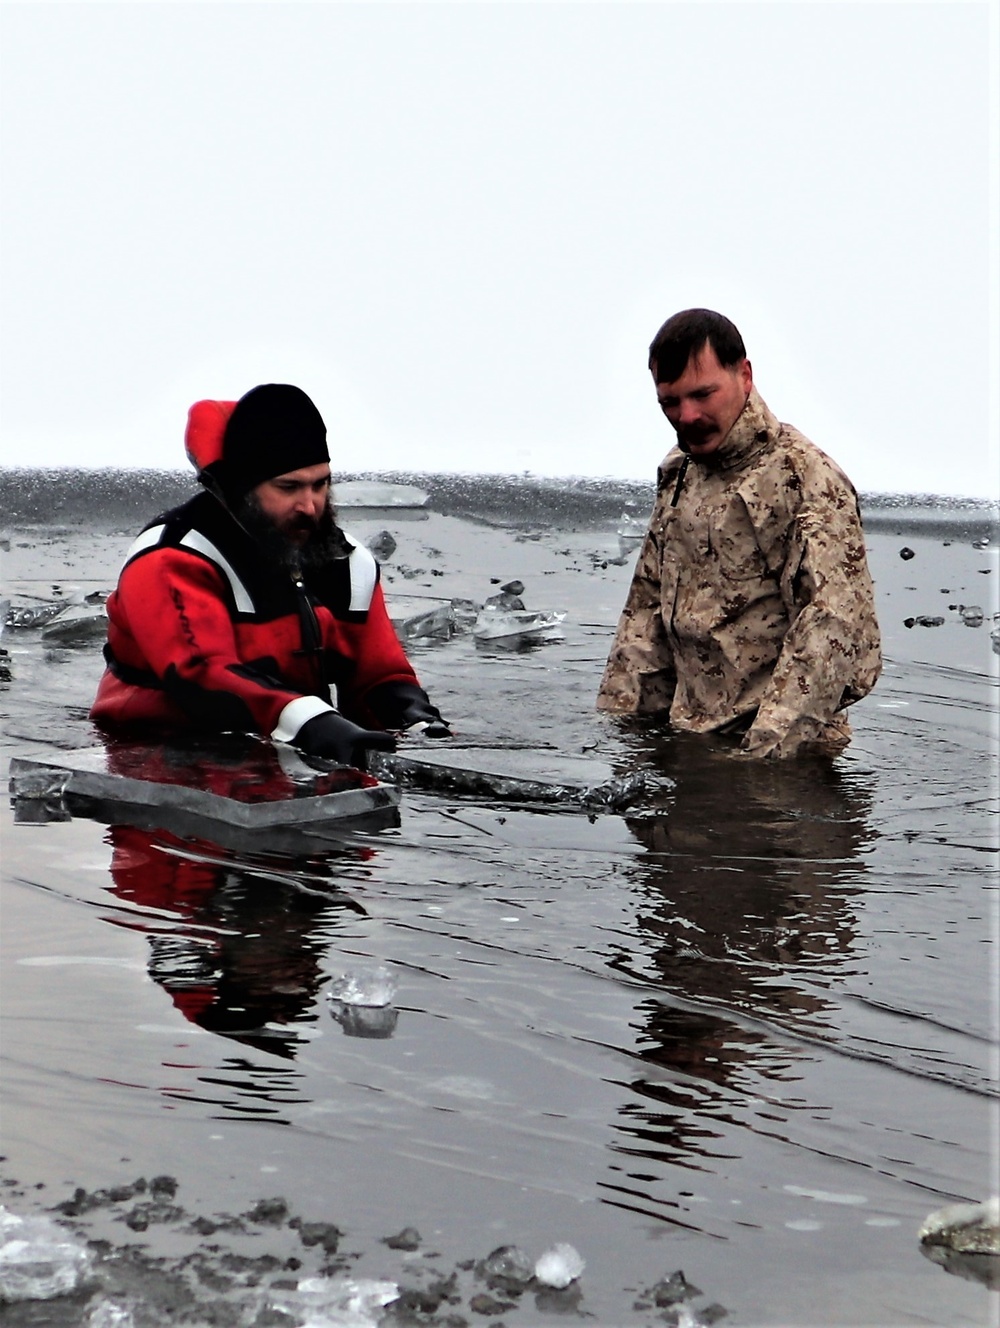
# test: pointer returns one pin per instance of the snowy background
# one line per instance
(458, 226)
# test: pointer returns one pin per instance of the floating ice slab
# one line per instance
(231, 781)
(497, 624)
(511, 775)
(374, 494)
(417, 619)
(79, 624)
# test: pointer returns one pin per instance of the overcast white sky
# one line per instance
(457, 226)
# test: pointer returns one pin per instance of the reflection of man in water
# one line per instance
(249, 609)
(244, 957)
(744, 926)
(752, 609)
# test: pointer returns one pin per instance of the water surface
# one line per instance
(746, 1029)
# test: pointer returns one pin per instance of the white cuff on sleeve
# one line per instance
(297, 713)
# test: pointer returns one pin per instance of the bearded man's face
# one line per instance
(292, 517)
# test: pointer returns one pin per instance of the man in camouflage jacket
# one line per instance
(751, 610)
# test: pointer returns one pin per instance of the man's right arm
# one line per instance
(639, 677)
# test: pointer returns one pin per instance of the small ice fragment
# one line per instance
(972, 615)
(110, 1314)
(337, 1302)
(507, 1264)
(965, 1228)
(364, 986)
(559, 1266)
(673, 1289)
(38, 1258)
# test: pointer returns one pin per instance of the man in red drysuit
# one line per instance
(248, 609)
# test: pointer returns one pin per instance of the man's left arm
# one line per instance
(831, 654)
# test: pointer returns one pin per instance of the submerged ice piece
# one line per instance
(229, 781)
(511, 775)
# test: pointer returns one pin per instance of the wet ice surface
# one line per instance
(744, 1029)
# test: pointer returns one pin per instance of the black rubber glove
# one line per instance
(336, 738)
(404, 705)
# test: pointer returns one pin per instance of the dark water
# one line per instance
(746, 1029)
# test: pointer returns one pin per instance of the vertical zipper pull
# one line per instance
(308, 624)
(680, 480)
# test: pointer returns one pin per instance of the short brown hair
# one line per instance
(685, 334)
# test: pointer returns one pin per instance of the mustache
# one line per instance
(325, 540)
(694, 433)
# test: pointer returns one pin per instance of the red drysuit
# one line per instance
(204, 631)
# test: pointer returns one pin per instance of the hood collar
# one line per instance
(754, 429)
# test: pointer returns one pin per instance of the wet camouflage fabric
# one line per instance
(751, 599)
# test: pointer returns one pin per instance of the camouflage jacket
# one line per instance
(751, 605)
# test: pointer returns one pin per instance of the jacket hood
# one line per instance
(203, 437)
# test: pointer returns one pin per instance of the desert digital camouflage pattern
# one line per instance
(752, 603)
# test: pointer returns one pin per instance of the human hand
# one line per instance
(332, 736)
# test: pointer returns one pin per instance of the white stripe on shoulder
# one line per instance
(145, 541)
(195, 540)
(364, 574)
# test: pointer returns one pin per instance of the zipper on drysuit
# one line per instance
(312, 638)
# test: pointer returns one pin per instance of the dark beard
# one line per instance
(324, 543)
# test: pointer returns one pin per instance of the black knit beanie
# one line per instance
(274, 429)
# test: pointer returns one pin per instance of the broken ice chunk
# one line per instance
(78, 625)
(436, 622)
(329, 1301)
(505, 1267)
(39, 1259)
(559, 1266)
(496, 624)
(966, 1228)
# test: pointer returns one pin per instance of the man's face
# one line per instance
(706, 401)
(295, 503)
